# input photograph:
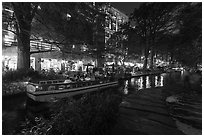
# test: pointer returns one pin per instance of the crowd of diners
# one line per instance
(90, 76)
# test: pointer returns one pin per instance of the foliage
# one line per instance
(117, 44)
(153, 20)
(20, 75)
(185, 45)
(13, 75)
(93, 113)
(48, 75)
(24, 13)
(170, 29)
(13, 81)
(12, 88)
(68, 24)
(190, 36)
(63, 24)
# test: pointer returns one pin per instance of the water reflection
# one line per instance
(148, 81)
(144, 82)
(126, 87)
(159, 81)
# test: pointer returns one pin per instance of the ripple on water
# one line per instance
(187, 112)
(187, 129)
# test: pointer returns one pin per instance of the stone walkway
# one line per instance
(145, 113)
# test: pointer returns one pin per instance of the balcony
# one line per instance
(38, 46)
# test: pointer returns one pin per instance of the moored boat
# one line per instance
(47, 91)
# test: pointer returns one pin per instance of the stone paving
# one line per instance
(145, 113)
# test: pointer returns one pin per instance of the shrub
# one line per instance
(94, 113)
(20, 75)
(12, 88)
(13, 75)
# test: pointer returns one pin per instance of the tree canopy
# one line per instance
(62, 24)
(170, 28)
(189, 40)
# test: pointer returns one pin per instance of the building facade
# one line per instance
(113, 21)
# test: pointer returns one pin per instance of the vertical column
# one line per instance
(110, 23)
(37, 63)
(116, 23)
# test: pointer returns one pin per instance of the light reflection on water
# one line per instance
(144, 82)
(126, 87)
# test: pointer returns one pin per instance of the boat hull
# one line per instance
(50, 96)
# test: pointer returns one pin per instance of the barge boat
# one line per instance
(48, 91)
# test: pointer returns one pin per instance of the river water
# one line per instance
(143, 82)
(15, 112)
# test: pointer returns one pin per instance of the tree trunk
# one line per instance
(152, 53)
(23, 61)
(172, 57)
(24, 13)
(100, 60)
(167, 57)
(116, 61)
(152, 58)
(146, 54)
(146, 59)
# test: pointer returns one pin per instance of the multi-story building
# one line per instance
(113, 21)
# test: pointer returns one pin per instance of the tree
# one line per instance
(117, 47)
(117, 44)
(62, 24)
(184, 44)
(153, 20)
(189, 39)
(74, 24)
(24, 13)
(139, 16)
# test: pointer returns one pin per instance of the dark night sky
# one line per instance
(126, 7)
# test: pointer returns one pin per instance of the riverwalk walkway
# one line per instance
(145, 113)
